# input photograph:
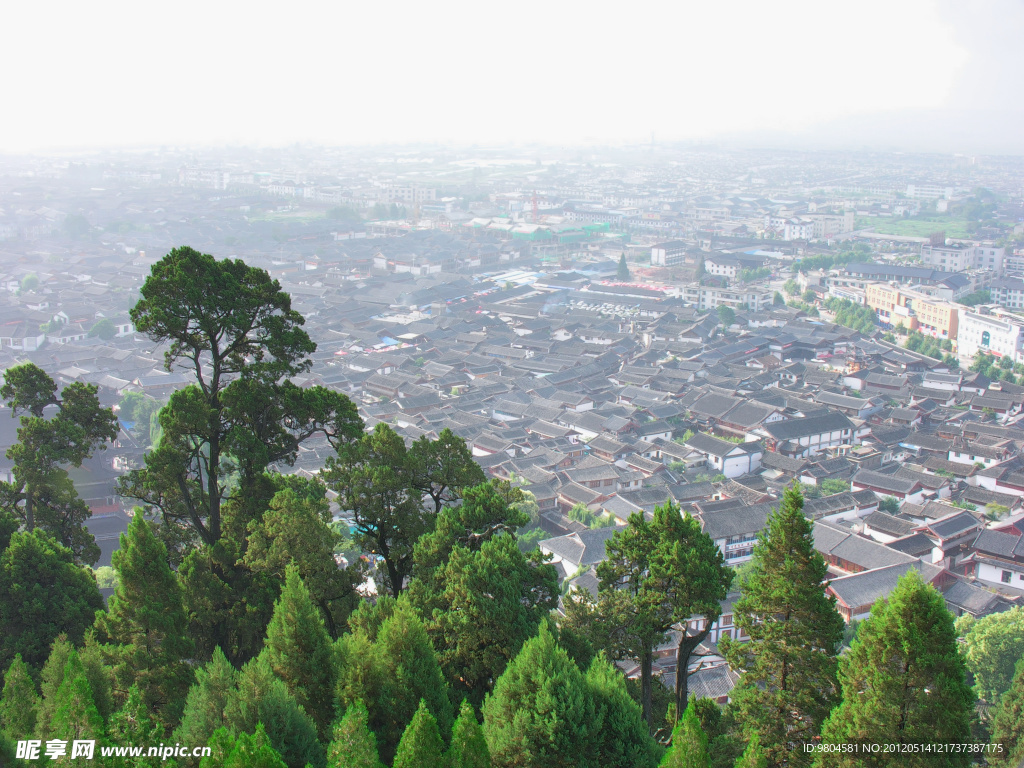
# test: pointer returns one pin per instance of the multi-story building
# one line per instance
(957, 257)
(827, 224)
(1009, 292)
(915, 310)
(929, 192)
(669, 254)
(707, 297)
(722, 266)
(999, 336)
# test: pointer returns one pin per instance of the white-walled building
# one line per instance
(999, 336)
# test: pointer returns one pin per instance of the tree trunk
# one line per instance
(687, 645)
(646, 663)
(30, 516)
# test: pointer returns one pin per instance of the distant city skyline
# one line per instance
(920, 74)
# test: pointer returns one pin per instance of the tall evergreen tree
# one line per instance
(132, 724)
(205, 708)
(144, 625)
(299, 651)
(353, 744)
(622, 274)
(74, 712)
(788, 684)
(49, 681)
(753, 756)
(1008, 729)
(540, 713)
(242, 751)
(19, 702)
(43, 594)
(262, 698)
(391, 674)
(99, 674)
(904, 682)
(421, 745)
(469, 747)
(689, 744)
(621, 737)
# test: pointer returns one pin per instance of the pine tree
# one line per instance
(19, 702)
(904, 681)
(353, 744)
(243, 751)
(132, 724)
(1008, 729)
(391, 675)
(421, 745)
(622, 274)
(300, 653)
(469, 747)
(689, 744)
(788, 684)
(753, 756)
(145, 625)
(207, 700)
(74, 714)
(541, 711)
(621, 737)
(262, 698)
(49, 681)
(99, 675)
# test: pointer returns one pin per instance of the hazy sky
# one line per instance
(915, 72)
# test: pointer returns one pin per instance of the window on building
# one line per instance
(1006, 577)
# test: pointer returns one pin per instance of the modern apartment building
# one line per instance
(915, 310)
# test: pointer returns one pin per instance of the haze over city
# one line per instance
(914, 75)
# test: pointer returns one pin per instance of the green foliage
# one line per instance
(992, 646)
(299, 651)
(789, 684)
(75, 715)
(42, 494)
(344, 213)
(622, 273)
(143, 410)
(852, 315)
(833, 486)
(19, 702)
(243, 751)
(481, 605)
(689, 744)
(29, 282)
(581, 514)
(791, 287)
(657, 573)
(43, 594)
(469, 747)
(1008, 729)
(726, 314)
(903, 680)
(144, 626)
(104, 329)
(353, 744)
(234, 328)
(388, 663)
(983, 296)
(751, 275)
(132, 724)
(809, 296)
(540, 712)
(207, 701)
(778, 300)
(889, 504)
(622, 739)
(753, 756)
(926, 345)
(421, 745)
(297, 529)
(262, 698)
